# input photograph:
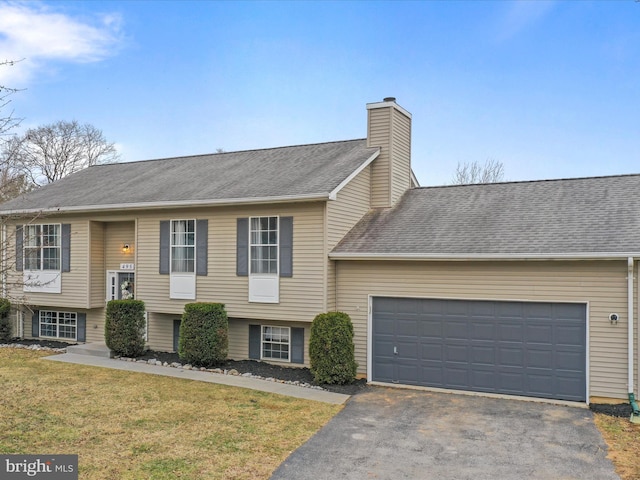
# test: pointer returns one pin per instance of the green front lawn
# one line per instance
(127, 425)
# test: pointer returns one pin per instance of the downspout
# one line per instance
(632, 400)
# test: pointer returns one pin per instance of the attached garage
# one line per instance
(532, 349)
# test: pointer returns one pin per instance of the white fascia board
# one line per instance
(482, 257)
(333, 194)
(171, 204)
(414, 178)
(372, 106)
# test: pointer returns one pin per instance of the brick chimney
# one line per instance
(389, 127)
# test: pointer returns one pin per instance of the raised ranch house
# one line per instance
(519, 288)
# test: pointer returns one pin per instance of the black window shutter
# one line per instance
(242, 248)
(165, 246)
(65, 241)
(19, 246)
(81, 327)
(35, 324)
(176, 335)
(286, 246)
(202, 243)
(254, 341)
(297, 345)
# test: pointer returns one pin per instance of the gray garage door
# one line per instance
(516, 348)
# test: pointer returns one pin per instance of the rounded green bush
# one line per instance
(331, 348)
(5, 320)
(204, 334)
(124, 327)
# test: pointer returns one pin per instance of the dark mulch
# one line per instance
(42, 343)
(615, 410)
(267, 370)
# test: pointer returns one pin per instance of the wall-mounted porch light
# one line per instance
(126, 248)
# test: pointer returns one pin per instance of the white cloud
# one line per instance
(34, 32)
(521, 15)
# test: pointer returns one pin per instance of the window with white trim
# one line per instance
(264, 245)
(183, 246)
(42, 247)
(275, 343)
(58, 324)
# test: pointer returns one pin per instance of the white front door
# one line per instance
(120, 285)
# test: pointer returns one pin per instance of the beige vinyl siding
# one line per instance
(390, 129)
(600, 284)
(94, 322)
(97, 287)
(161, 335)
(351, 204)
(95, 325)
(401, 154)
(160, 331)
(116, 235)
(379, 127)
(301, 297)
(73, 283)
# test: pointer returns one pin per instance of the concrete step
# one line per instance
(93, 349)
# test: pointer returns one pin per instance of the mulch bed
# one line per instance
(262, 369)
(268, 370)
(613, 410)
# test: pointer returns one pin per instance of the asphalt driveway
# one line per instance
(390, 433)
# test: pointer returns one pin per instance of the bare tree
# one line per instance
(7, 120)
(491, 172)
(50, 152)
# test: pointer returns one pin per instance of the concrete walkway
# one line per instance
(230, 380)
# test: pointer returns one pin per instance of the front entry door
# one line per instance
(120, 285)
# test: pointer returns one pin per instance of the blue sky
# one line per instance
(549, 88)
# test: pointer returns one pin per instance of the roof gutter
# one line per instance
(173, 204)
(482, 256)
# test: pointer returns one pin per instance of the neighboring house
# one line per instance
(504, 288)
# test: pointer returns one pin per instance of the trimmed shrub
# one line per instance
(331, 349)
(204, 334)
(124, 327)
(5, 320)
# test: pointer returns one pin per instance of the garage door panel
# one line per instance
(507, 309)
(408, 326)
(510, 356)
(510, 382)
(432, 351)
(539, 333)
(509, 332)
(540, 358)
(456, 353)
(531, 349)
(456, 375)
(484, 380)
(430, 327)
(481, 354)
(456, 328)
(569, 335)
(408, 373)
(571, 361)
(483, 330)
(407, 350)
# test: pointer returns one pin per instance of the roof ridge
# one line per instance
(227, 153)
(516, 182)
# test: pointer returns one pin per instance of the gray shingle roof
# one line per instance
(574, 216)
(296, 171)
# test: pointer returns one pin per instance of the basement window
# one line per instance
(275, 343)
